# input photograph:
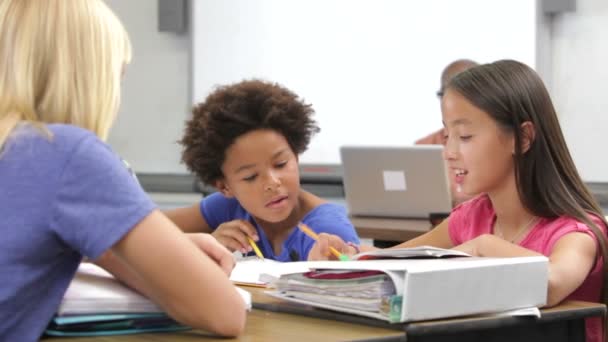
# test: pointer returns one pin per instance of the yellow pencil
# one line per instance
(306, 230)
(255, 248)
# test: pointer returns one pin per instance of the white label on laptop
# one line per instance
(394, 180)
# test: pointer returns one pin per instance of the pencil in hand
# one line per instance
(306, 230)
(255, 248)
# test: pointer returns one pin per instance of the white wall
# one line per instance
(156, 95)
(370, 68)
(156, 91)
(580, 84)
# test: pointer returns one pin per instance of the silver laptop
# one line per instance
(404, 182)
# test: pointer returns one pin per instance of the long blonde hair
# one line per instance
(60, 62)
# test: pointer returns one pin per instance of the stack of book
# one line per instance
(96, 304)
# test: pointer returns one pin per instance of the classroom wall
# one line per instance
(370, 68)
(156, 91)
(157, 94)
(579, 84)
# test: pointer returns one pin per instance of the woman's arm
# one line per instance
(189, 219)
(187, 283)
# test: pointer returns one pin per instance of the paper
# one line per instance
(95, 291)
(257, 272)
(345, 288)
(394, 180)
(413, 252)
(403, 290)
(96, 304)
(246, 297)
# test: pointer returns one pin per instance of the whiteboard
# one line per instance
(370, 68)
(579, 86)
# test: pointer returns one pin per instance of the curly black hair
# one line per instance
(233, 110)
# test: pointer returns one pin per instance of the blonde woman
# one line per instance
(66, 195)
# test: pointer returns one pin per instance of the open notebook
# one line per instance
(252, 271)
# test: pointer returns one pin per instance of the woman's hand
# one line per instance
(233, 235)
(218, 253)
(320, 250)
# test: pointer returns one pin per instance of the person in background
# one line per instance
(438, 137)
(245, 139)
(452, 69)
(66, 195)
(505, 143)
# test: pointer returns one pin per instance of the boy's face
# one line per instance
(261, 171)
(478, 152)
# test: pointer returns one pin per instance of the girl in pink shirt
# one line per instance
(505, 143)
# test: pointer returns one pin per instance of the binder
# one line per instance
(404, 290)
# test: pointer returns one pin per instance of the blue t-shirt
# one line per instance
(326, 218)
(63, 197)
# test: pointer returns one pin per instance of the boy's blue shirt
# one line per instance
(63, 198)
(326, 218)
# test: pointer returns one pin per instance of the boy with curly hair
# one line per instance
(245, 139)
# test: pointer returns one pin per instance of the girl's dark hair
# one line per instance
(236, 109)
(547, 180)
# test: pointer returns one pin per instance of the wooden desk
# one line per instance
(276, 320)
(264, 326)
(389, 229)
(564, 322)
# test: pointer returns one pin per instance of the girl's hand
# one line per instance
(320, 250)
(218, 253)
(233, 235)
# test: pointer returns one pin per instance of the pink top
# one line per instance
(476, 217)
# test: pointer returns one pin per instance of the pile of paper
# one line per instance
(95, 291)
(410, 253)
(403, 290)
(97, 304)
(366, 290)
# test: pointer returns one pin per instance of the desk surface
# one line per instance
(278, 322)
(390, 229)
(263, 326)
(569, 309)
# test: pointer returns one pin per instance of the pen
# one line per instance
(306, 230)
(255, 248)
